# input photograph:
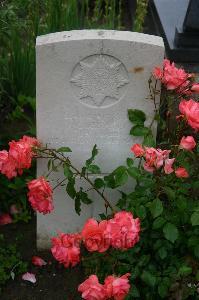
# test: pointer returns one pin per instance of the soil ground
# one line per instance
(54, 282)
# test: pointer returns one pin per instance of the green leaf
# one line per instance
(156, 208)
(149, 140)
(129, 162)
(136, 116)
(141, 211)
(67, 172)
(103, 216)
(162, 290)
(64, 149)
(94, 169)
(158, 223)
(135, 293)
(184, 271)
(162, 252)
(139, 130)
(120, 176)
(84, 197)
(93, 155)
(122, 201)
(99, 183)
(148, 278)
(195, 218)
(77, 204)
(170, 232)
(110, 181)
(70, 188)
(49, 164)
(170, 192)
(134, 172)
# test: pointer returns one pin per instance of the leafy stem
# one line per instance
(52, 153)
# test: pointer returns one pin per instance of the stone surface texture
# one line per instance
(86, 81)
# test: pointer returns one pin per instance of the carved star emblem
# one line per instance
(99, 80)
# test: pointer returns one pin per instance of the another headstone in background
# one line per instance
(177, 21)
(86, 81)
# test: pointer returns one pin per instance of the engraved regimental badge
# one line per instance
(99, 80)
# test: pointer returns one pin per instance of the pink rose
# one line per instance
(5, 219)
(181, 173)
(3, 158)
(91, 289)
(174, 78)
(187, 143)
(66, 249)
(168, 165)
(157, 73)
(18, 157)
(21, 154)
(123, 230)
(7, 166)
(38, 261)
(137, 150)
(40, 195)
(190, 109)
(148, 168)
(93, 234)
(195, 88)
(117, 287)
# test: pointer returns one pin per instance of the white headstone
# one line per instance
(86, 81)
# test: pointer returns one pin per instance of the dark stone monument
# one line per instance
(177, 21)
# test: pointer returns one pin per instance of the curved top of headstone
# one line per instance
(75, 35)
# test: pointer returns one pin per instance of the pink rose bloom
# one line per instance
(5, 219)
(40, 195)
(181, 173)
(3, 158)
(168, 165)
(18, 157)
(174, 78)
(123, 230)
(150, 156)
(195, 88)
(66, 249)
(157, 73)
(187, 143)
(137, 150)
(91, 289)
(38, 261)
(190, 109)
(31, 141)
(94, 237)
(21, 154)
(7, 166)
(148, 168)
(117, 287)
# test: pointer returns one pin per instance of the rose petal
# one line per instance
(29, 277)
(5, 219)
(38, 261)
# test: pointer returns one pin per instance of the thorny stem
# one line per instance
(65, 160)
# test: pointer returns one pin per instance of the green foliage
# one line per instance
(11, 263)
(165, 262)
(141, 12)
(15, 192)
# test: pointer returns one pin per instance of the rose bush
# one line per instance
(152, 234)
